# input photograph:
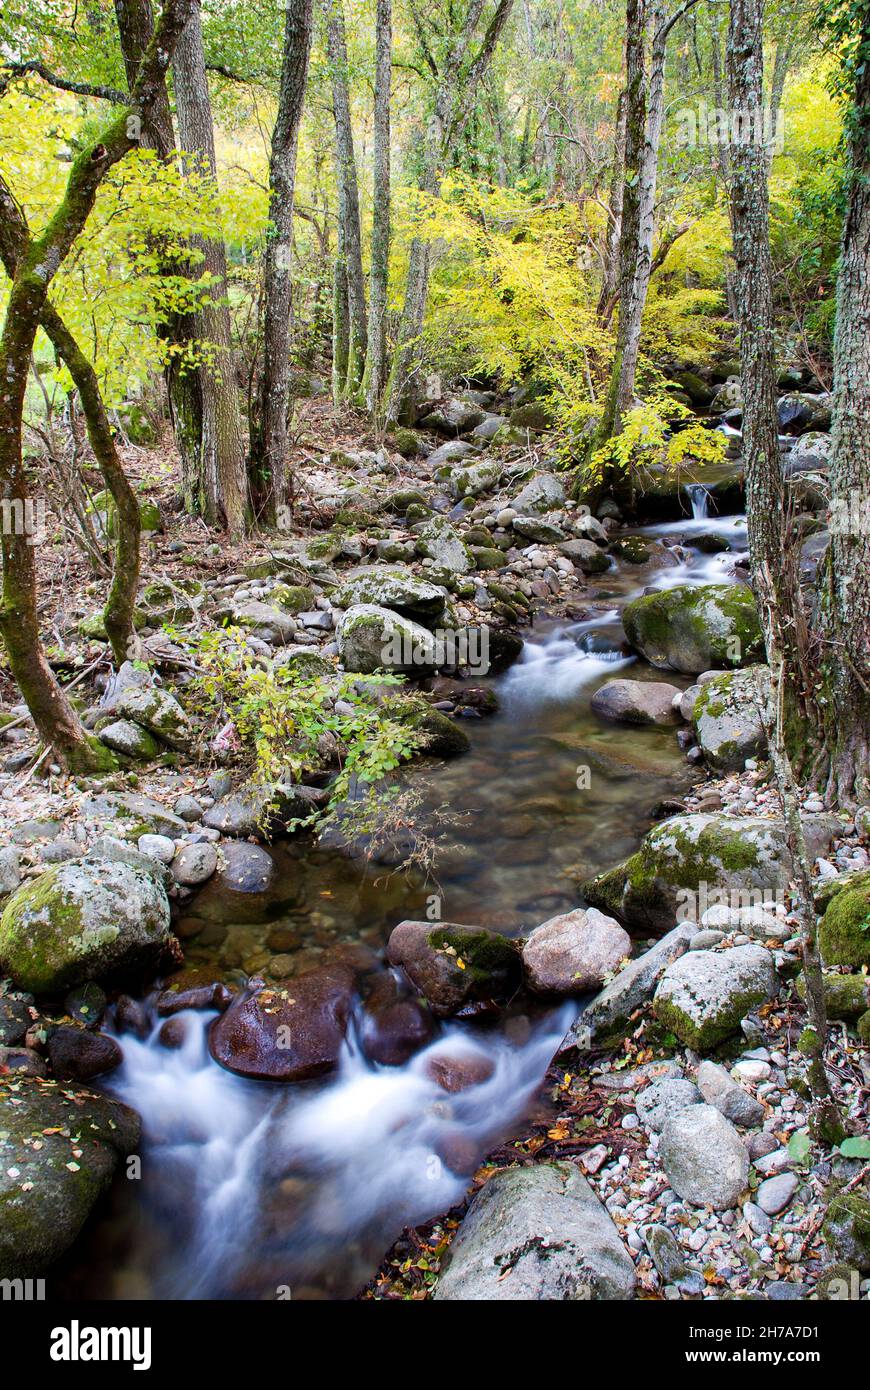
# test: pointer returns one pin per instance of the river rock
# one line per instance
(637, 702)
(694, 627)
(258, 810)
(131, 740)
(269, 622)
(453, 417)
(537, 1233)
(745, 856)
(399, 590)
(82, 920)
(477, 478)
(609, 1015)
(798, 411)
(459, 1067)
(10, 871)
(843, 935)
(661, 1099)
(727, 719)
(140, 815)
(452, 965)
(245, 868)
(438, 540)
(158, 712)
(76, 1054)
(193, 864)
(394, 1025)
(704, 996)
(704, 1158)
(751, 921)
(371, 638)
(810, 453)
(720, 1089)
(574, 952)
(541, 494)
(774, 1194)
(46, 1193)
(15, 1018)
(287, 1034)
(846, 1229)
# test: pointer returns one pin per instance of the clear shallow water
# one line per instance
(255, 1190)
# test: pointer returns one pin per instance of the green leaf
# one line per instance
(856, 1148)
(799, 1146)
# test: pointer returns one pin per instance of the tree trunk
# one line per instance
(846, 598)
(350, 234)
(452, 108)
(610, 279)
(223, 484)
(636, 90)
(271, 444)
(38, 262)
(771, 552)
(183, 385)
(374, 377)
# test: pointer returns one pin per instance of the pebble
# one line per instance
(774, 1195)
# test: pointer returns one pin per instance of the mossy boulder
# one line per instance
(727, 719)
(476, 479)
(48, 1189)
(397, 589)
(83, 920)
(438, 540)
(844, 932)
(846, 1229)
(130, 740)
(695, 628)
(296, 598)
(846, 996)
(703, 996)
(453, 965)
(158, 712)
(443, 737)
(533, 415)
(372, 638)
(717, 854)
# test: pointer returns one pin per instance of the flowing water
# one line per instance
(250, 1189)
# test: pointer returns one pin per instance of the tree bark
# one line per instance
(350, 232)
(846, 596)
(183, 384)
(374, 377)
(774, 571)
(57, 722)
(610, 279)
(271, 443)
(222, 477)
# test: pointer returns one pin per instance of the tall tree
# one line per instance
(374, 377)
(221, 471)
(38, 263)
(183, 383)
(118, 613)
(270, 451)
(771, 537)
(350, 294)
(456, 84)
(845, 605)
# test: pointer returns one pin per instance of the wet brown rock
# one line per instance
(76, 1054)
(286, 1034)
(459, 1073)
(394, 1026)
(451, 965)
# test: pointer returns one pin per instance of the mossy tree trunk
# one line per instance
(347, 386)
(374, 376)
(183, 381)
(774, 570)
(845, 608)
(269, 443)
(221, 456)
(38, 263)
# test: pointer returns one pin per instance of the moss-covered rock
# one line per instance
(727, 719)
(452, 965)
(846, 996)
(48, 1189)
(397, 589)
(695, 628)
(846, 1229)
(406, 442)
(722, 856)
(862, 1028)
(703, 996)
(372, 638)
(296, 598)
(158, 712)
(443, 737)
(844, 933)
(83, 920)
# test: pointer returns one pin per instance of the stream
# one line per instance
(256, 1190)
